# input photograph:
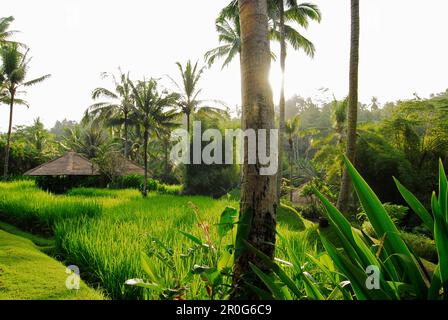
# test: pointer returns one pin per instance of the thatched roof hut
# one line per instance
(74, 164)
(128, 167)
(70, 164)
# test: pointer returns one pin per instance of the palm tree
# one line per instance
(150, 108)
(189, 90)
(14, 70)
(5, 33)
(258, 204)
(229, 35)
(88, 139)
(292, 128)
(352, 117)
(282, 12)
(228, 28)
(116, 111)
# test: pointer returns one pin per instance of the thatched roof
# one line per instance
(74, 164)
(128, 167)
(70, 164)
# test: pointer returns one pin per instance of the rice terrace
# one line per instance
(241, 150)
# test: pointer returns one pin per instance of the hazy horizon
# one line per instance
(401, 51)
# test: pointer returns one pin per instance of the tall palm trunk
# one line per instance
(291, 148)
(188, 123)
(145, 159)
(8, 136)
(166, 161)
(282, 98)
(190, 158)
(258, 193)
(126, 139)
(344, 194)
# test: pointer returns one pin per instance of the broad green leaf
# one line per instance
(244, 225)
(311, 288)
(227, 221)
(280, 273)
(225, 261)
(443, 192)
(277, 292)
(416, 205)
(383, 224)
(263, 294)
(192, 237)
(357, 250)
(146, 266)
(436, 285)
(441, 239)
(354, 274)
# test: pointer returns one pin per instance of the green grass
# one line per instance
(35, 210)
(27, 273)
(37, 240)
(103, 232)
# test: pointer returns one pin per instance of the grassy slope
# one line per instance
(107, 248)
(27, 273)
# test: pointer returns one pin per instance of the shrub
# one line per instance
(396, 212)
(169, 189)
(62, 184)
(290, 218)
(310, 211)
(133, 181)
(152, 185)
(423, 246)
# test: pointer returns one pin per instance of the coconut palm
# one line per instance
(258, 192)
(283, 15)
(14, 72)
(352, 117)
(116, 111)
(5, 33)
(88, 139)
(229, 36)
(189, 90)
(228, 28)
(154, 111)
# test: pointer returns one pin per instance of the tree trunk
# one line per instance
(167, 169)
(257, 217)
(145, 157)
(188, 123)
(344, 194)
(8, 136)
(291, 146)
(282, 98)
(126, 142)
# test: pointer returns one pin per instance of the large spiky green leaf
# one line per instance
(443, 192)
(384, 225)
(275, 288)
(272, 265)
(440, 238)
(354, 273)
(356, 249)
(416, 205)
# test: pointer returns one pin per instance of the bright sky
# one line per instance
(403, 49)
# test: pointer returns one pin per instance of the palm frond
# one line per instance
(37, 80)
